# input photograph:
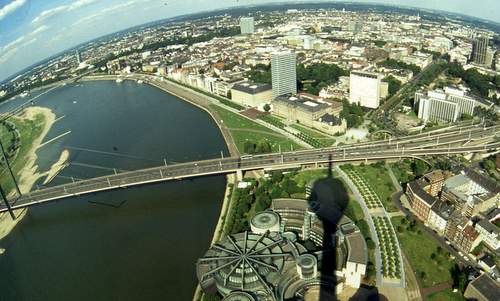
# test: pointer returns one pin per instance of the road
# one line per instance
(276, 160)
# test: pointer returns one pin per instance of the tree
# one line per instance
(249, 147)
(207, 297)
(489, 164)
(318, 76)
(262, 147)
(267, 107)
(261, 204)
(394, 85)
(276, 177)
(419, 168)
(459, 278)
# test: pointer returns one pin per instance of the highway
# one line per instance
(410, 147)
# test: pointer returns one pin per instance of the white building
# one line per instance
(420, 59)
(438, 217)
(355, 267)
(446, 106)
(366, 89)
(284, 73)
(489, 234)
(441, 44)
(247, 25)
(251, 94)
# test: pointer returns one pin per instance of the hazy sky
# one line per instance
(31, 30)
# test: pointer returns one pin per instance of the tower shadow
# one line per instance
(328, 200)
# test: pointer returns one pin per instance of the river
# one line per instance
(135, 244)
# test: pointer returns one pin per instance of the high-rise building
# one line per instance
(247, 25)
(448, 105)
(366, 89)
(284, 73)
(480, 50)
(78, 57)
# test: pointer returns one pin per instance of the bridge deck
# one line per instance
(230, 165)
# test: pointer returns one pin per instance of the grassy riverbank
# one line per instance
(32, 125)
(243, 129)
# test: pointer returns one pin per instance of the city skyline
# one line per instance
(32, 31)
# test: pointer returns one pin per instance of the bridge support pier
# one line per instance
(239, 175)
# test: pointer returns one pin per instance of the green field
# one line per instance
(29, 130)
(446, 295)
(418, 247)
(243, 129)
(379, 180)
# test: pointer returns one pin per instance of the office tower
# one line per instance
(480, 50)
(446, 106)
(284, 73)
(78, 57)
(247, 25)
(366, 89)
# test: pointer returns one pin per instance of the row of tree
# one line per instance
(261, 147)
(352, 113)
(317, 76)
(479, 83)
(394, 64)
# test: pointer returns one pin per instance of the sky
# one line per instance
(32, 30)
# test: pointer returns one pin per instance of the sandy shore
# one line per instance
(30, 173)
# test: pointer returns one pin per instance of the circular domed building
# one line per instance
(272, 263)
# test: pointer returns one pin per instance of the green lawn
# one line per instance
(306, 176)
(29, 130)
(243, 129)
(419, 248)
(379, 180)
(322, 138)
(446, 295)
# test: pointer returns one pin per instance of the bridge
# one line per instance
(463, 140)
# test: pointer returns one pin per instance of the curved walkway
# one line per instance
(256, 131)
(359, 198)
(368, 216)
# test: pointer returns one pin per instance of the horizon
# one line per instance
(16, 57)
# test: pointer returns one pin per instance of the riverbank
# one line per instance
(34, 124)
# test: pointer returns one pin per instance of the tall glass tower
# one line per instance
(480, 49)
(284, 73)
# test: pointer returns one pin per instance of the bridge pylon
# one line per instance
(7, 204)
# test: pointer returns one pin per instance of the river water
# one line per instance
(135, 244)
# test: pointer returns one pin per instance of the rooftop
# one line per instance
(302, 102)
(251, 87)
(357, 248)
(486, 286)
(417, 188)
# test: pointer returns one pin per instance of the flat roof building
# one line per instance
(446, 105)
(247, 25)
(366, 89)
(251, 94)
(311, 111)
(483, 288)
